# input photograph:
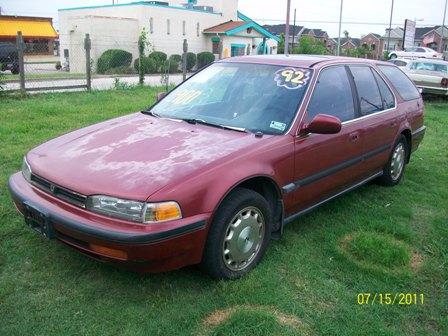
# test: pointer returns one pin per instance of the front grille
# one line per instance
(59, 192)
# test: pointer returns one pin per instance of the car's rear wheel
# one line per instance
(394, 169)
(238, 236)
(393, 56)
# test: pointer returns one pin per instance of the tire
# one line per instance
(15, 69)
(393, 56)
(394, 169)
(227, 258)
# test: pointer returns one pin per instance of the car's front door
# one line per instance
(327, 163)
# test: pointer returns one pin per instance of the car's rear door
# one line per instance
(327, 163)
(379, 119)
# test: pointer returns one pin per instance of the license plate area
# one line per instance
(38, 221)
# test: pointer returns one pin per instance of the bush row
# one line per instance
(119, 61)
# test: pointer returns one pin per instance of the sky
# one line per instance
(359, 17)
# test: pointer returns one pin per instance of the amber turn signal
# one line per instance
(109, 252)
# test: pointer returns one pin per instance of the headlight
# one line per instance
(26, 170)
(133, 210)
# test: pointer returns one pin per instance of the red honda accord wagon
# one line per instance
(217, 167)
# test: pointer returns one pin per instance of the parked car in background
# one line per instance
(429, 75)
(400, 62)
(415, 52)
(217, 167)
(9, 59)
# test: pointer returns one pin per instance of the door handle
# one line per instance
(354, 137)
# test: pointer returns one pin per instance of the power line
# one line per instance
(348, 22)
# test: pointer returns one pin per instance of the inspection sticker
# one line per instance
(292, 78)
(277, 125)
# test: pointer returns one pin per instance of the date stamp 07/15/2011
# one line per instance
(402, 299)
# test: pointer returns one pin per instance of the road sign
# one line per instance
(409, 34)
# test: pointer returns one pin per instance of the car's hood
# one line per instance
(132, 156)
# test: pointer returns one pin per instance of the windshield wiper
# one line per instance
(153, 114)
(203, 122)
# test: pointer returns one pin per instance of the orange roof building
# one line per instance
(38, 32)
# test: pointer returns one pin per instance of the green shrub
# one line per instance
(205, 58)
(160, 58)
(121, 70)
(191, 60)
(149, 65)
(175, 62)
(113, 58)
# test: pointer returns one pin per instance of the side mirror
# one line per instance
(160, 96)
(323, 124)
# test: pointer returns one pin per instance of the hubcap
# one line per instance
(397, 162)
(243, 239)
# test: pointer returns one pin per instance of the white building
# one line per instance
(204, 23)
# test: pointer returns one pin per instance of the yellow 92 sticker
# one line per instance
(292, 78)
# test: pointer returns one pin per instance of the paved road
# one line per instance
(103, 83)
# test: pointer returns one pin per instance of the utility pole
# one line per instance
(338, 51)
(288, 8)
(442, 44)
(390, 25)
(294, 29)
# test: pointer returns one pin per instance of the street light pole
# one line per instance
(288, 8)
(442, 44)
(390, 25)
(294, 29)
(338, 51)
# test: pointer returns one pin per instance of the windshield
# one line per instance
(429, 66)
(253, 97)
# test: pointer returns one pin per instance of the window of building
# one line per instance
(332, 95)
(197, 29)
(215, 47)
(401, 82)
(184, 28)
(168, 26)
(386, 94)
(368, 93)
(373, 46)
(151, 25)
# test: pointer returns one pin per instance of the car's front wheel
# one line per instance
(238, 236)
(394, 169)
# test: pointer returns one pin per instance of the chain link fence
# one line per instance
(85, 64)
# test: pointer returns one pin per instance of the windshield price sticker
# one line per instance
(292, 78)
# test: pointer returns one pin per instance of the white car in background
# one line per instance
(429, 75)
(415, 52)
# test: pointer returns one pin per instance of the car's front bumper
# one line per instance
(156, 247)
(434, 90)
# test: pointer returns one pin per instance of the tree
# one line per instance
(310, 45)
(281, 44)
(346, 34)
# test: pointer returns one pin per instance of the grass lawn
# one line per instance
(372, 240)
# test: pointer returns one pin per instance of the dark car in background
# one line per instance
(9, 59)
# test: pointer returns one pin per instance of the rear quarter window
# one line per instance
(400, 81)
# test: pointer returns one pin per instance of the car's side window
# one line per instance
(368, 93)
(332, 95)
(420, 50)
(400, 81)
(386, 93)
(399, 63)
